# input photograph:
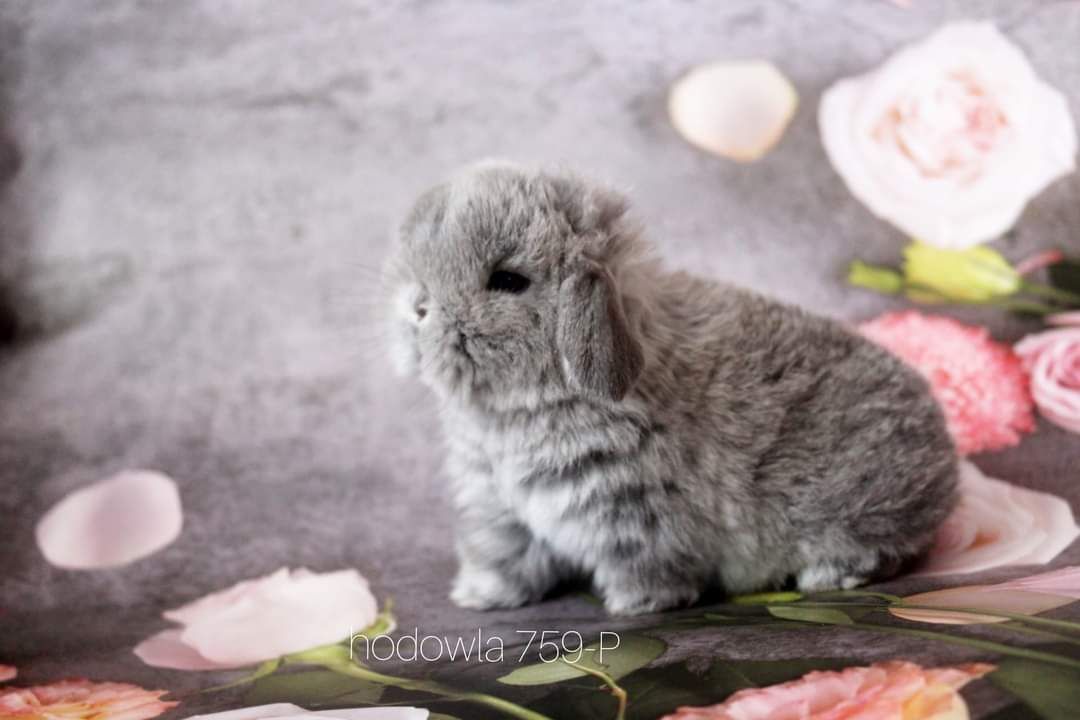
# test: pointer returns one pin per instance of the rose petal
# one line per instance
(388, 713)
(257, 712)
(275, 615)
(168, 650)
(1006, 525)
(224, 599)
(978, 597)
(1064, 581)
(112, 522)
(287, 711)
(7, 672)
(737, 110)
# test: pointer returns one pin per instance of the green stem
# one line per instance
(1051, 292)
(435, 688)
(979, 644)
(616, 689)
(987, 645)
(1025, 306)
(1035, 632)
(1017, 617)
(859, 593)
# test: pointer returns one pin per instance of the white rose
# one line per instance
(950, 137)
(262, 619)
(287, 711)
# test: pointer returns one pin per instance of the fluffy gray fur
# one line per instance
(659, 432)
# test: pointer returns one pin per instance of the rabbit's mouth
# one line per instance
(448, 365)
(461, 347)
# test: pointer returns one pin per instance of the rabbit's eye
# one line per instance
(509, 282)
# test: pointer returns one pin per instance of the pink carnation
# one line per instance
(980, 383)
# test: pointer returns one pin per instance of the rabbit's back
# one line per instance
(814, 435)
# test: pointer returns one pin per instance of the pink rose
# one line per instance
(950, 137)
(998, 524)
(893, 690)
(1052, 359)
(82, 700)
(262, 619)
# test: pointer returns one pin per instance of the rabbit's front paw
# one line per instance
(486, 589)
(640, 601)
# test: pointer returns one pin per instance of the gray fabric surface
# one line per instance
(196, 198)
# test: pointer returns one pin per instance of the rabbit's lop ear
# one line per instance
(600, 355)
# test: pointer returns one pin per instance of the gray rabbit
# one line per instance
(659, 432)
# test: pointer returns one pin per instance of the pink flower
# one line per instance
(980, 383)
(262, 619)
(950, 137)
(894, 690)
(82, 700)
(7, 673)
(997, 524)
(1052, 358)
(1023, 596)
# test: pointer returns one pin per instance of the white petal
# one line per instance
(387, 713)
(737, 110)
(258, 712)
(208, 605)
(112, 522)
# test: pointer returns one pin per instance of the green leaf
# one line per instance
(441, 716)
(769, 597)
(874, 277)
(633, 652)
(657, 691)
(1051, 691)
(825, 616)
(313, 687)
(1065, 275)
